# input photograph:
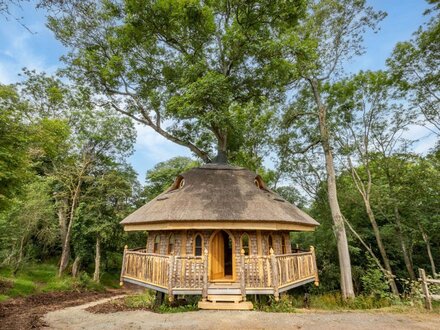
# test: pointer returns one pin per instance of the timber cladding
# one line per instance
(184, 241)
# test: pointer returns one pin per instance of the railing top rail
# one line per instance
(433, 280)
(294, 254)
(190, 257)
(256, 257)
(147, 254)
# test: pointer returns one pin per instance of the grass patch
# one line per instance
(145, 301)
(37, 278)
(334, 302)
(166, 308)
(21, 287)
(110, 280)
(286, 304)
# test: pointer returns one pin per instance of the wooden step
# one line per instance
(244, 305)
(225, 297)
(224, 288)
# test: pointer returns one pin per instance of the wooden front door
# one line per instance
(217, 257)
(221, 257)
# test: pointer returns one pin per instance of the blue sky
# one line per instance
(39, 50)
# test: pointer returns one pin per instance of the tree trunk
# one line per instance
(65, 254)
(96, 274)
(364, 191)
(20, 255)
(399, 230)
(76, 266)
(406, 257)
(63, 205)
(428, 249)
(383, 253)
(338, 221)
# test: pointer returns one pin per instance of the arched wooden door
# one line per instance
(221, 257)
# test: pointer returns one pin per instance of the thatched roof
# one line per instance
(218, 192)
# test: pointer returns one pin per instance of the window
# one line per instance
(270, 242)
(258, 181)
(245, 243)
(178, 184)
(286, 243)
(171, 241)
(156, 244)
(198, 245)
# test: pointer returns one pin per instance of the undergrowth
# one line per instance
(333, 301)
(38, 278)
(146, 300)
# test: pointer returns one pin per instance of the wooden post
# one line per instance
(170, 277)
(205, 275)
(425, 289)
(312, 249)
(273, 261)
(242, 276)
(123, 265)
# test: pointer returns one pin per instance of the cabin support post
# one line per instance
(170, 277)
(123, 265)
(425, 289)
(242, 276)
(315, 267)
(273, 261)
(205, 275)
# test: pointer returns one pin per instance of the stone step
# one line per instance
(224, 297)
(244, 305)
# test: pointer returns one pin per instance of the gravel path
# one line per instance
(78, 318)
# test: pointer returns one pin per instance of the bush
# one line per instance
(374, 283)
(286, 304)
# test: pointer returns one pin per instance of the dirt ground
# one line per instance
(26, 313)
(79, 318)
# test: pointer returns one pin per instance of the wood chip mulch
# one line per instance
(26, 313)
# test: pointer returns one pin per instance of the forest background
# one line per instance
(265, 84)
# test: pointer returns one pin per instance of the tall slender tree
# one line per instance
(331, 33)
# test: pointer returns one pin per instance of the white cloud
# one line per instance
(19, 48)
(156, 146)
(424, 138)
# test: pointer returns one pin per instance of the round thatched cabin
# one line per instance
(219, 232)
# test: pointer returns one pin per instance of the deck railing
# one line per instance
(149, 268)
(295, 267)
(257, 274)
(188, 272)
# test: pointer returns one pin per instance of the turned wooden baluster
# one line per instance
(242, 277)
(275, 277)
(205, 275)
(170, 277)
(123, 265)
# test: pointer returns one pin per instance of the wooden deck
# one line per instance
(176, 275)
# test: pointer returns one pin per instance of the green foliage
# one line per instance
(414, 65)
(204, 65)
(166, 308)
(14, 160)
(285, 305)
(373, 282)
(163, 174)
(143, 301)
(35, 278)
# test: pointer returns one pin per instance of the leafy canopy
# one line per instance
(186, 68)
